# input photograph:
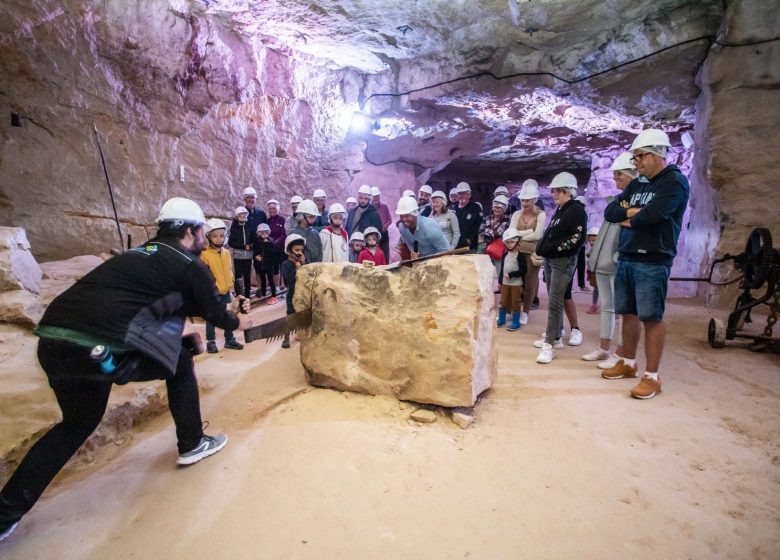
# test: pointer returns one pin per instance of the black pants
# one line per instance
(82, 393)
(581, 267)
(242, 270)
(384, 244)
(265, 277)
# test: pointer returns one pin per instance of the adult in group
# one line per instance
(563, 237)
(351, 203)
(469, 218)
(334, 237)
(603, 263)
(385, 217)
(305, 215)
(123, 322)
(530, 222)
(446, 218)
(278, 233)
(650, 215)
(320, 198)
(364, 214)
(453, 204)
(255, 215)
(424, 200)
(502, 190)
(291, 221)
(419, 232)
(492, 231)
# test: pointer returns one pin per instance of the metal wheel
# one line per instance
(758, 258)
(716, 333)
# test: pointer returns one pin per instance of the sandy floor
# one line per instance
(559, 464)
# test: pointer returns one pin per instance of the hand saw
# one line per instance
(276, 329)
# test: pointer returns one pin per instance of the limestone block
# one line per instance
(422, 334)
(20, 307)
(423, 416)
(18, 268)
(70, 269)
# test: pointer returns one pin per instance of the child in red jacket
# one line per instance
(372, 252)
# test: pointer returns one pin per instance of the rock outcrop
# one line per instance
(18, 268)
(422, 334)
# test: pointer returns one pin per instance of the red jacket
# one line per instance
(378, 258)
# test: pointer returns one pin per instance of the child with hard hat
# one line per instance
(372, 251)
(356, 244)
(264, 256)
(294, 245)
(240, 241)
(219, 263)
(513, 269)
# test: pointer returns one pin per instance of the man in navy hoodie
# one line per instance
(650, 212)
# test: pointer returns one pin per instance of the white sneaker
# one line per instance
(595, 355)
(558, 344)
(523, 318)
(609, 363)
(575, 338)
(546, 354)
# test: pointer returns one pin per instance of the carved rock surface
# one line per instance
(422, 334)
(70, 269)
(18, 268)
(20, 307)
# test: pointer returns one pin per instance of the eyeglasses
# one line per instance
(639, 157)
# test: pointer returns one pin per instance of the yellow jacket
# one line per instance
(221, 266)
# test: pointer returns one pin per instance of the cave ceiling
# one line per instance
(572, 104)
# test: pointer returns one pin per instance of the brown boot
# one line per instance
(647, 388)
(620, 370)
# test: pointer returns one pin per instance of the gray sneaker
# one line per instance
(208, 445)
(5, 533)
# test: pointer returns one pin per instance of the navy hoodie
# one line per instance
(654, 230)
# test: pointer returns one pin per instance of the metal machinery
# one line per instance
(760, 266)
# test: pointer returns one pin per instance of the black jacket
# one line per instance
(369, 217)
(267, 250)
(140, 299)
(241, 235)
(565, 233)
(655, 229)
(469, 220)
(255, 218)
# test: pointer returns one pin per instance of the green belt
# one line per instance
(78, 338)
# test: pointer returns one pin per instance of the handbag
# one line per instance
(496, 249)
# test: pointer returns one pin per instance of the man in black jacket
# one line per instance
(364, 215)
(469, 218)
(123, 322)
(650, 212)
(255, 215)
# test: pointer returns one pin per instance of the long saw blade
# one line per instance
(279, 327)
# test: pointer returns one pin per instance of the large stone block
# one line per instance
(423, 334)
(18, 268)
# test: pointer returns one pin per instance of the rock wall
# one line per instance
(738, 136)
(183, 107)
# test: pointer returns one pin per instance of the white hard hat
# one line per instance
(307, 207)
(357, 236)
(454, 191)
(463, 187)
(426, 189)
(439, 194)
(369, 230)
(501, 190)
(336, 208)
(510, 233)
(375, 191)
(296, 199)
(623, 162)
(263, 227)
(249, 191)
(564, 180)
(408, 192)
(181, 210)
(502, 200)
(291, 238)
(406, 205)
(594, 230)
(213, 224)
(351, 200)
(240, 210)
(650, 138)
(364, 189)
(272, 202)
(319, 193)
(530, 189)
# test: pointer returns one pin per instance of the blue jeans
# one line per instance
(211, 334)
(559, 273)
(640, 289)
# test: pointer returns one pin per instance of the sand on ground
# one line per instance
(560, 463)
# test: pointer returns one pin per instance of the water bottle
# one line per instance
(103, 357)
